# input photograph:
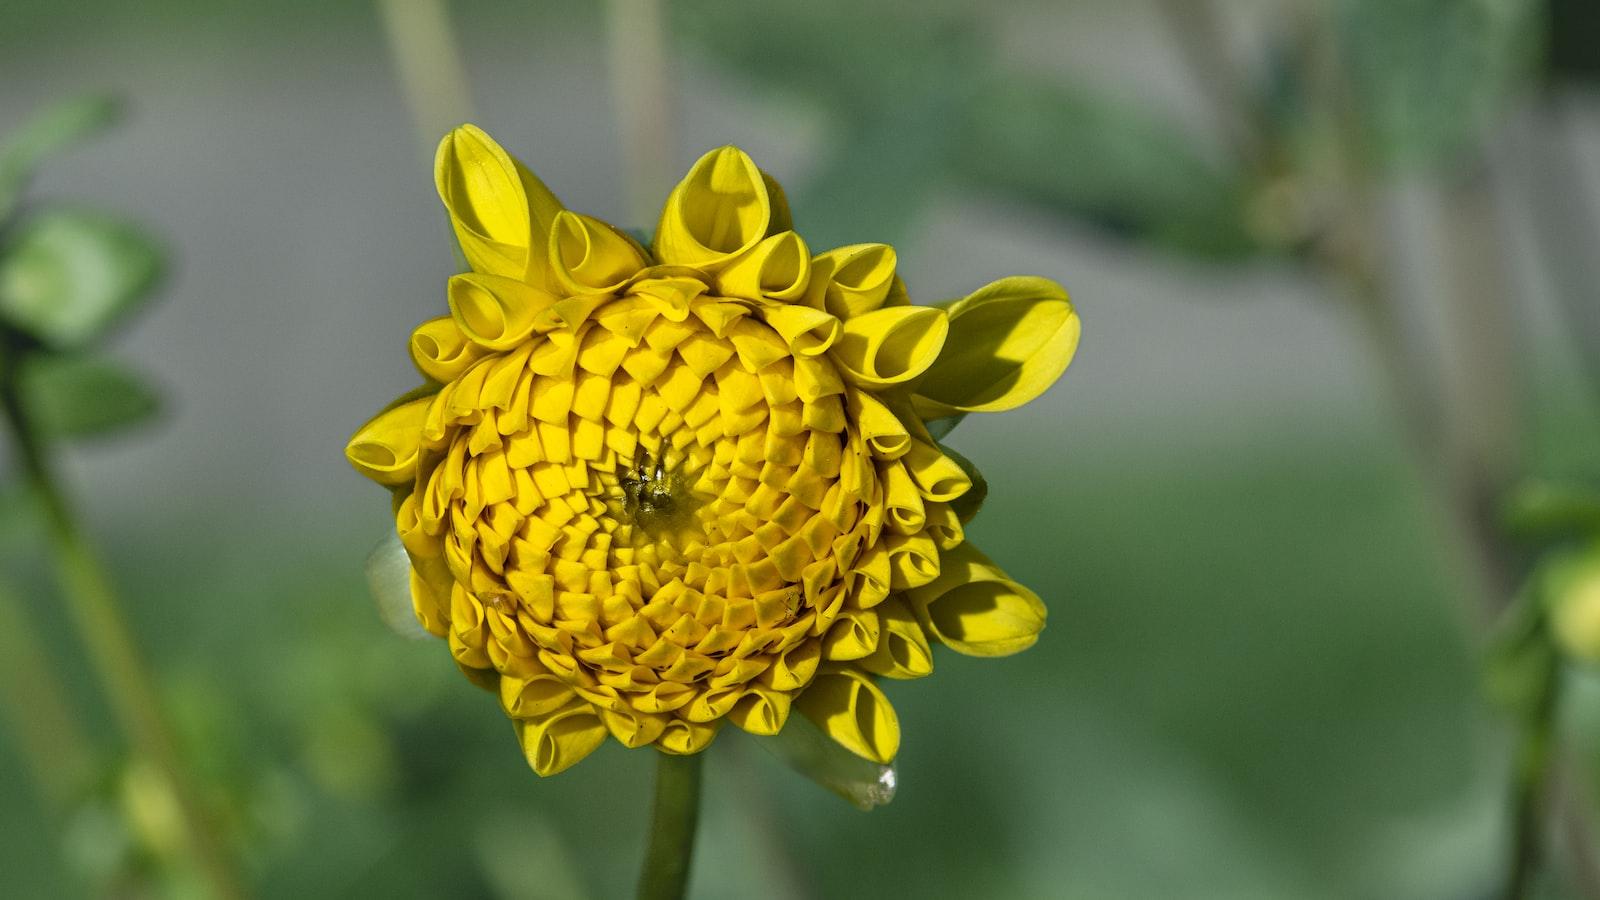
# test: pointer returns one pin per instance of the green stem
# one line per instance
(114, 655)
(1530, 786)
(677, 812)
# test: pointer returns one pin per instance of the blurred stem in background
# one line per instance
(38, 713)
(428, 63)
(1201, 40)
(1461, 418)
(114, 656)
(641, 86)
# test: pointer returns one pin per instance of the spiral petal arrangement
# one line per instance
(649, 491)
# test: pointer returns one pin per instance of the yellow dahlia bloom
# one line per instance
(647, 492)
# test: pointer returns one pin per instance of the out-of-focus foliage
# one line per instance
(75, 396)
(943, 110)
(1570, 29)
(68, 277)
(51, 132)
(1124, 168)
(1429, 75)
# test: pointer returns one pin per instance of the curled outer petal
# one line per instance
(761, 710)
(778, 268)
(495, 312)
(440, 351)
(885, 435)
(891, 346)
(718, 212)
(974, 608)
(501, 213)
(846, 705)
(682, 737)
(849, 281)
(808, 331)
(539, 694)
(386, 448)
(429, 604)
(938, 477)
(903, 650)
(588, 256)
(556, 741)
(1008, 342)
(854, 634)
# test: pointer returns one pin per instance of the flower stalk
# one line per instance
(114, 656)
(665, 875)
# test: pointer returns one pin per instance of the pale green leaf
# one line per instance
(69, 276)
(48, 133)
(76, 397)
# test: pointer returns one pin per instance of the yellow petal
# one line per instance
(849, 708)
(440, 351)
(902, 501)
(778, 268)
(913, 560)
(903, 651)
(554, 742)
(807, 331)
(386, 448)
(501, 213)
(761, 710)
(855, 634)
(973, 607)
(890, 346)
(682, 737)
(493, 311)
(849, 281)
(428, 602)
(539, 695)
(885, 435)
(938, 477)
(1008, 342)
(779, 201)
(633, 729)
(719, 211)
(588, 256)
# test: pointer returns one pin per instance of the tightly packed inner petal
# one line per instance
(664, 520)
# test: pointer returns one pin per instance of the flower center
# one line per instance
(656, 497)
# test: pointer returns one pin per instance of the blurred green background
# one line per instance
(1260, 675)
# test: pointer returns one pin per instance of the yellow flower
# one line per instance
(650, 491)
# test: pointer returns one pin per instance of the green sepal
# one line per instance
(388, 573)
(939, 429)
(69, 276)
(805, 748)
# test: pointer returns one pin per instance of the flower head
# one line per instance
(650, 491)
